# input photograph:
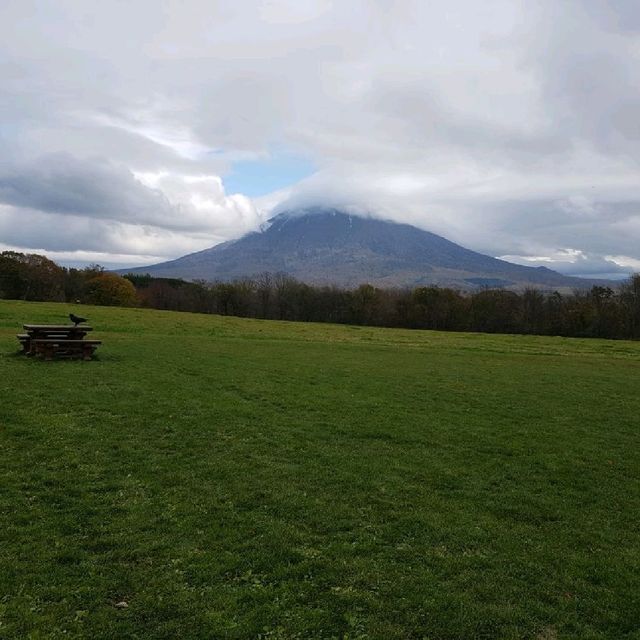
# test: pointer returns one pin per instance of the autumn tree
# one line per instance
(436, 308)
(111, 290)
(533, 311)
(29, 276)
(496, 311)
(630, 303)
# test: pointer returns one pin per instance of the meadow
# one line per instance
(216, 477)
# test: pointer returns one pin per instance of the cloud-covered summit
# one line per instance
(508, 126)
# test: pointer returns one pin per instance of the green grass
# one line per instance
(232, 478)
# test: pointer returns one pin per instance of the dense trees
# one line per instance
(30, 277)
(34, 277)
(600, 312)
(630, 307)
(436, 308)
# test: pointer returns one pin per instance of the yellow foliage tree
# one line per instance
(112, 290)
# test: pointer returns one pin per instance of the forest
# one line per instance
(600, 312)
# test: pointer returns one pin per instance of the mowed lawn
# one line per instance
(230, 478)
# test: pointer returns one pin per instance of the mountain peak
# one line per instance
(319, 211)
(327, 245)
(307, 212)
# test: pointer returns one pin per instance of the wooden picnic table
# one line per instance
(57, 339)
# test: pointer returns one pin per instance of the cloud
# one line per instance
(58, 203)
(60, 183)
(509, 126)
(576, 263)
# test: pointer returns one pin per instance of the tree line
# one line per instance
(600, 312)
(34, 277)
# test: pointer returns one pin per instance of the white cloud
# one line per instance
(58, 203)
(80, 257)
(509, 126)
(145, 124)
(625, 262)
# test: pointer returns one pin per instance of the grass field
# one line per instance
(231, 478)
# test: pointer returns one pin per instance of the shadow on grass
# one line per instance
(13, 354)
(19, 356)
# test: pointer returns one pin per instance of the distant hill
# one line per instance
(328, 246)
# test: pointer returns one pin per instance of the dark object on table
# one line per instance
(76, 319)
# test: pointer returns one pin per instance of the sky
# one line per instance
(136, 132)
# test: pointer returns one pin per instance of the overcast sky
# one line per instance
(137, 131)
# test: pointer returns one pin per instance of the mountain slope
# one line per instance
(327, 246)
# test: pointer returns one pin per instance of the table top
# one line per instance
(56, 327)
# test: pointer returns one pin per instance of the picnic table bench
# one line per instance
(70, 348)
(49, 340)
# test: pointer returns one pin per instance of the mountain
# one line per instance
(328, 246)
